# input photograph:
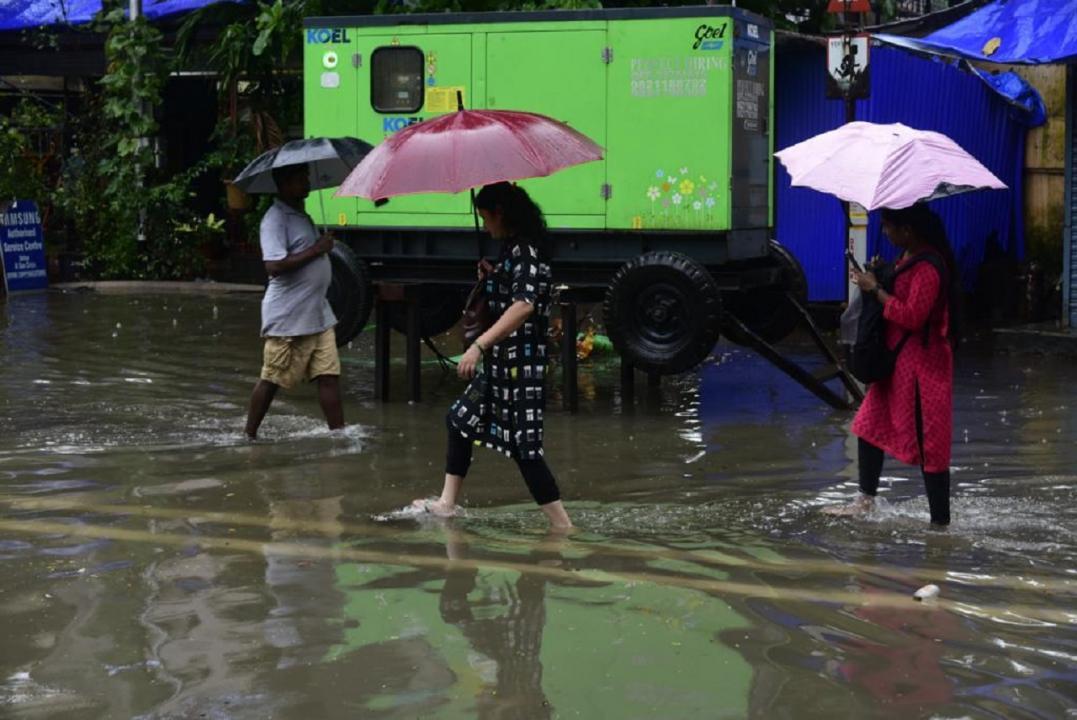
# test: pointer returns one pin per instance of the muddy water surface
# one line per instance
(155, 565)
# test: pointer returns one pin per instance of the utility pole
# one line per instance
(856, 218)
(851, 77)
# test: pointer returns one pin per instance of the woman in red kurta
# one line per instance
(909, 415)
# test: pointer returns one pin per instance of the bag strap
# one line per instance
(476, 289)
(933, 259)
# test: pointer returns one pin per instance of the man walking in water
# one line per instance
(297, 322)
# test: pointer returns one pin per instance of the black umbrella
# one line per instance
(329, 159)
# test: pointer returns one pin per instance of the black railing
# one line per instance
(916, 8)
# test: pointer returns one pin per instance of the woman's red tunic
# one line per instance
(887, 418)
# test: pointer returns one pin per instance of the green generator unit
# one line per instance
(672, 230)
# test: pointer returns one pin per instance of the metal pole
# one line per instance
(134, 13)
(850, 116)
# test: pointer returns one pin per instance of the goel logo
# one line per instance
(709, 37)
(324, 36)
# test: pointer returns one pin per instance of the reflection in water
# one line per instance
(903, 667)
(505, 625)
(170, 570)
(296, 624)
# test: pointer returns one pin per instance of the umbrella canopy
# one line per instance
(466, 149)
(330, 161)
(885, 166)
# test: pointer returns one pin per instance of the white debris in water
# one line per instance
(214, 312)
(119, 325)
(927, 592)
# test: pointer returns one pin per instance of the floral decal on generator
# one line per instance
(680, 200)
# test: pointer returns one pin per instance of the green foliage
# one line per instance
(110, 191)
(23, 169)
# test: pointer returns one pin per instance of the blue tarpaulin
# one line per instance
(1017, 91)
(923, 94)
(23, 14)
(1029, 32)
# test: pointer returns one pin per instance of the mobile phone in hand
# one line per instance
(852, 261)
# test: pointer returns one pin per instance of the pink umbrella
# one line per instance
(885, 166)
(466, 149)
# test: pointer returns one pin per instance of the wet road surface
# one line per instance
(156, 565)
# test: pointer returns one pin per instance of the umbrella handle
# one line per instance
(475, 216)
(460, 100)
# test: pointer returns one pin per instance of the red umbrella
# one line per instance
(466, 149)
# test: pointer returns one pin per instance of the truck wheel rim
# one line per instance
(660, 314)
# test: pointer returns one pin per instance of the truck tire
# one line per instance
(766, 310)
(350, 294)
(662, 312)
(440, 308)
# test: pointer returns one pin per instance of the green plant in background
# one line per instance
(182, 246)
(129, 217)
(24, 152)
(137, 68)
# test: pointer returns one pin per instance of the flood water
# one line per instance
(155, 565)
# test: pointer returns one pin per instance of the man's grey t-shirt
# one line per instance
(294, 303)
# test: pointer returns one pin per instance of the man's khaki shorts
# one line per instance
(287, 360)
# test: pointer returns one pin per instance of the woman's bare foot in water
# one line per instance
(862, 505)
(436, 508)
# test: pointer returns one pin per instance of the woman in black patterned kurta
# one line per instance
(503, 406)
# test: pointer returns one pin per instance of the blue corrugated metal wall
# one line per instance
(921, 93)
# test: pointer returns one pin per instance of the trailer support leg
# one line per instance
(628, 384)
(381, 350)
(414, 367)
(813, 382)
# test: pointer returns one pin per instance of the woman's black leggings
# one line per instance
(540, 481)
(870, 460)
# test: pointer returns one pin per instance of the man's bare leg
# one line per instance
(261, 399)
(329, 399)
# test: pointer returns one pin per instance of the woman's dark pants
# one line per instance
(870, 459)
(540, 481)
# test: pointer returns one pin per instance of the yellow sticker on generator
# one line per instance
(342, 219)
(443, 99)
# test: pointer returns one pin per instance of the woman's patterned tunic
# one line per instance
(503, 406)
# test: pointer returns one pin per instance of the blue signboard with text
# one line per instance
(23, 247)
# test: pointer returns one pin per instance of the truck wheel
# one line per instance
(662, 312)
(350, 294)
(440, 308)
(766, 310)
